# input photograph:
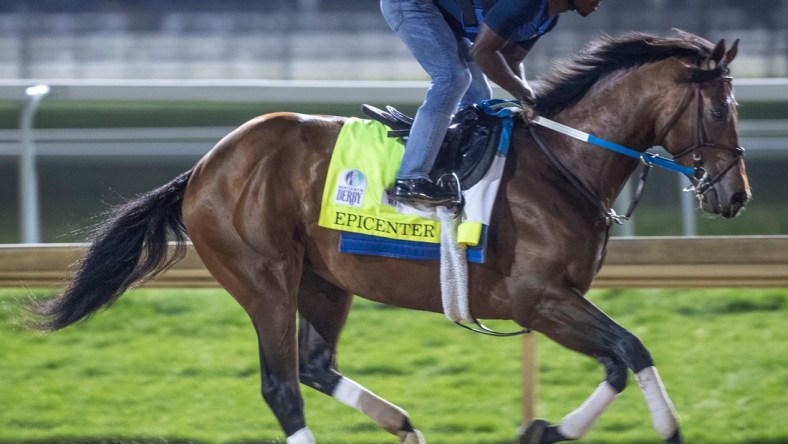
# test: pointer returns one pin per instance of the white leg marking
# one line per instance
(303, 436)
(388, 415)
(663, 414)
(576, 424)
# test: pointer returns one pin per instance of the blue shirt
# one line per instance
(521, 22)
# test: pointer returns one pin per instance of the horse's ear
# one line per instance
(718, 52)
(731, 54)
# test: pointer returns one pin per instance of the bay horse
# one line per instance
(250, 206)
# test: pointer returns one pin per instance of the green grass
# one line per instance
(180, 366)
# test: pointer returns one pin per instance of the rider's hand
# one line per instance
(528, 113)
(528, 103)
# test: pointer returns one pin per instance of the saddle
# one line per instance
(468, 149)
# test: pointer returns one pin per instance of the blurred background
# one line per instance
(140, 89)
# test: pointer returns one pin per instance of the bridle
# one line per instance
(700, 177)
(702, 180)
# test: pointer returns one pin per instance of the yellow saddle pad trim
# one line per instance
(469, 233)
(364, 163)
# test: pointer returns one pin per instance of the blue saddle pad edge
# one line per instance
(356, 243)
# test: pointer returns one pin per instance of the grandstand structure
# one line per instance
(320, 39)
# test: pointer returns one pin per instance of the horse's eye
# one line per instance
(717, 113)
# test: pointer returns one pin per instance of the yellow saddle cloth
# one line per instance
(364, 163)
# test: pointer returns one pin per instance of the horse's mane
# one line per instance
(571, 78)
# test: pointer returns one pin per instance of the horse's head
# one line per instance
(701, 131)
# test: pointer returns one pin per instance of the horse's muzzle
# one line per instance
(736, 204)
(716, 202)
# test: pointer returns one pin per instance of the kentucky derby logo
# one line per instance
(351, 188)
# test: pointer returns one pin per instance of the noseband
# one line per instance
(702, 180)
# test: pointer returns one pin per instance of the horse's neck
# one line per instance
(621, 108)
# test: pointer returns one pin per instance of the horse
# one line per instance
(250, 207)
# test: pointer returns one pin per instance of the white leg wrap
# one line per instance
(663, 414)
(389, 416)
(576, 424)
(414, 437)
(303, 436)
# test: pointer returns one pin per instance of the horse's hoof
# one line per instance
(414, 437)
(533, 433)
(675, 439)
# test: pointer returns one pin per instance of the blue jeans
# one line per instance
(456, 81)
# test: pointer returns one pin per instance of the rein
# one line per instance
(647, 159)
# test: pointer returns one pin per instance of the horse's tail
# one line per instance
(128, 249)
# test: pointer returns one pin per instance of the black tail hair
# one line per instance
(128, 249)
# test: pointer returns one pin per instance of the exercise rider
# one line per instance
(461, 43)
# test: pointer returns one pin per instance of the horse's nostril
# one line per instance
(739, 198)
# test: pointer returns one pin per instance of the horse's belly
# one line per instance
(411, 284)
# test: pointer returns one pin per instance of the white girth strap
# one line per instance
(454, 269)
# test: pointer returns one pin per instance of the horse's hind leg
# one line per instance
(576, 323)
(267, 288)
(323, 311)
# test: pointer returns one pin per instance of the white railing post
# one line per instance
(29, 205)
(689, 226)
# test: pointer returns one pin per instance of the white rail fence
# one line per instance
(769, 136)
(288, 91)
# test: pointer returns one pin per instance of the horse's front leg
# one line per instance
(570, 319)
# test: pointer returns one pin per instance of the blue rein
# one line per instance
(505, 109)
(647, 158)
